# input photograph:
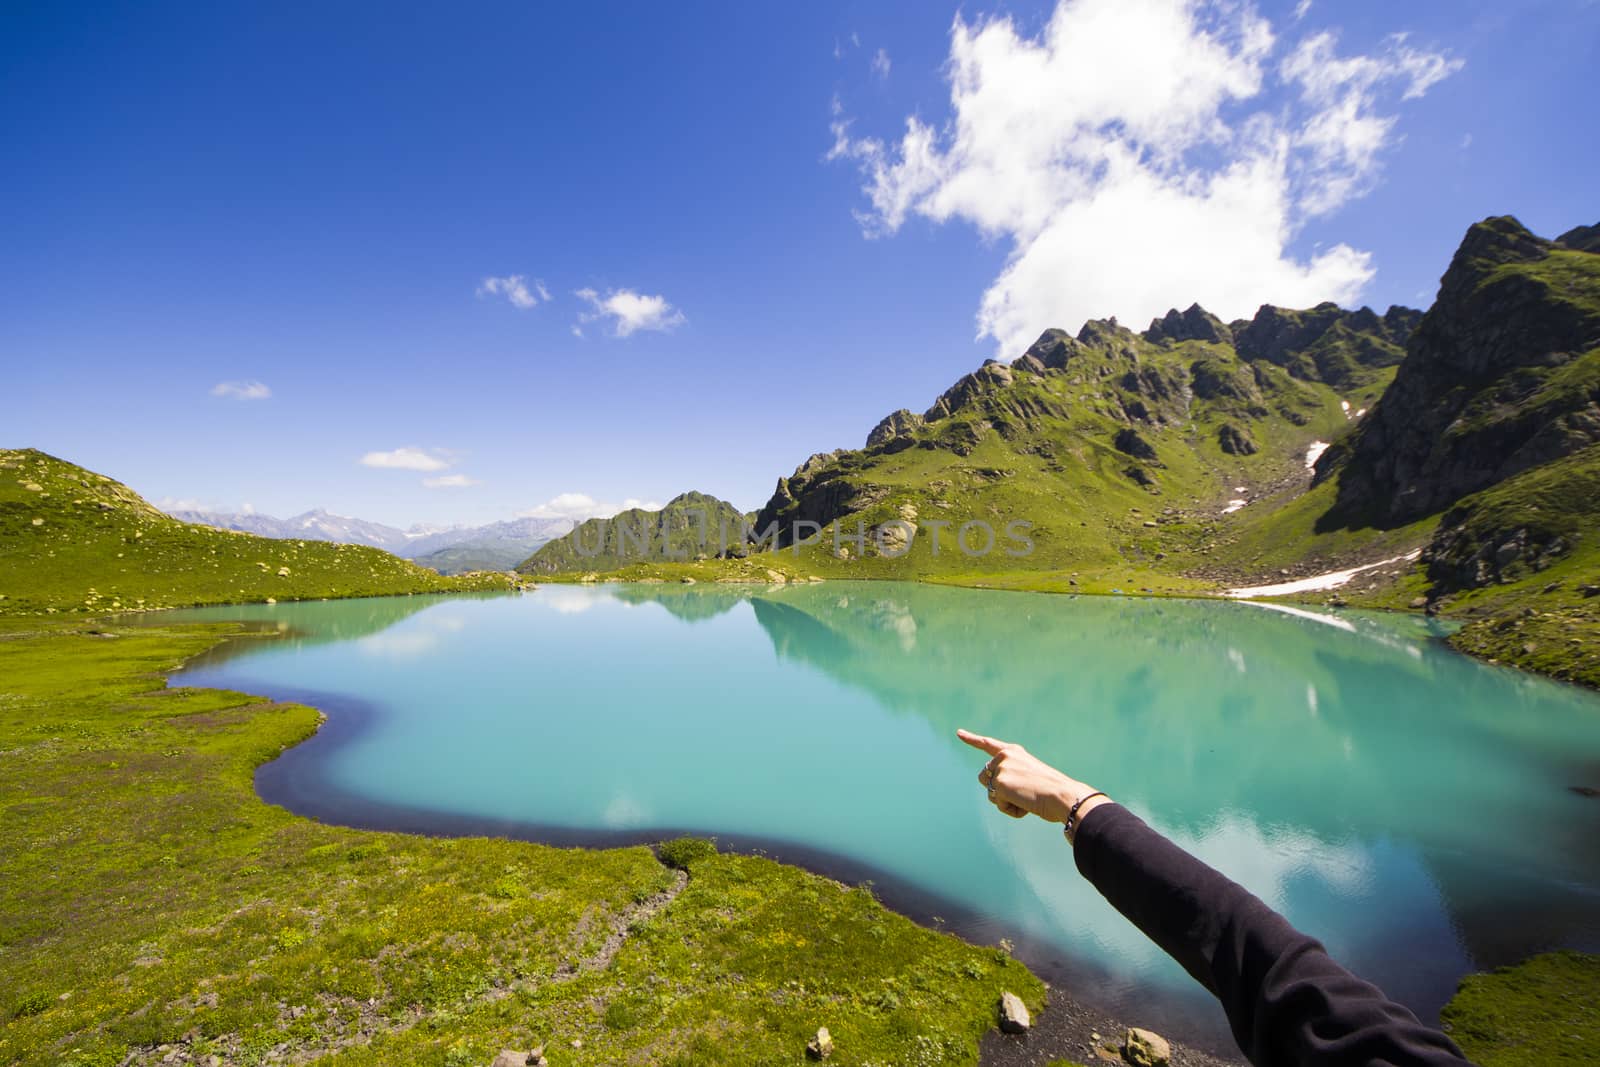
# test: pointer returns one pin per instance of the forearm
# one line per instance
(1286, 1000)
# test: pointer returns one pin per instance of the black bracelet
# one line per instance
(1072, 816)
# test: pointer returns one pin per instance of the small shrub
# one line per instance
(684, 852)
(32, 1004)
(621, 1015)
(289, 937)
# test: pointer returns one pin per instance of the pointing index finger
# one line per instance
(978, 741)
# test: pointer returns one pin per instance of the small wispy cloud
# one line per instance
(450, 481)
(1302, 9)
(170, 504)
(580, 506)
(406, 459)
(880, 64)
(245, 390)
(630, 311)
(515, 288)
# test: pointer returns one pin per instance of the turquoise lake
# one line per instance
(1421, 813)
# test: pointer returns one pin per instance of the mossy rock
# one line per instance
(1545, 1011)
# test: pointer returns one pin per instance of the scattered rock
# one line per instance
(686, 580)
(1143, 1048)
(1014, 1017)
(1235, 441)
(1140, 475)
(511, 1058)
(1418, 603)
(821, 1046)
(1129, 442)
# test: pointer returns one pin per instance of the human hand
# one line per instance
(1020, 783)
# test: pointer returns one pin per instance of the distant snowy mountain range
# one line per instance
(495, 546)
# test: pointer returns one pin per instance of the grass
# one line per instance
(72, 541)
(150, 902)
(1543, 1011)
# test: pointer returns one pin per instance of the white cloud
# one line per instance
(880, 64)
(450, 481)
(1302, 9)
(406, 459)
(1139, 155)
(629, 311)
(246, 390)
(580, 506)
(514, 287)
(169, 504)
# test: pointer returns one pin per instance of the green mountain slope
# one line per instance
(1120, 451)
(73, 540)
(1502, 375)
(691, 526)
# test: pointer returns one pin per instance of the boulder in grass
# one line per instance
(821, 1046)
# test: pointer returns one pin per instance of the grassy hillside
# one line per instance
(1520, 564)
(690, 526)
(75, 541)
(152, 909)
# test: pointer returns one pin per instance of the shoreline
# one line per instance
(1299, 594)
(1059, 1026)
(1193, 1022)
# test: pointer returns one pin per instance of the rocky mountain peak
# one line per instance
(1193, 324)
(894, 431)
(1476, 400)
(1051, 351)
(1581, 238)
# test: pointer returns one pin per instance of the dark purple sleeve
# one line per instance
(1287, 1001)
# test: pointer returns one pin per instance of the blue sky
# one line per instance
(310, 201)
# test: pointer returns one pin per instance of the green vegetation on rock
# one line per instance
(150, 904)
(1543, 1011)
(691, 526)
(75, 541)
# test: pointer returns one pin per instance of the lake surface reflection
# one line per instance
(1410, 807)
